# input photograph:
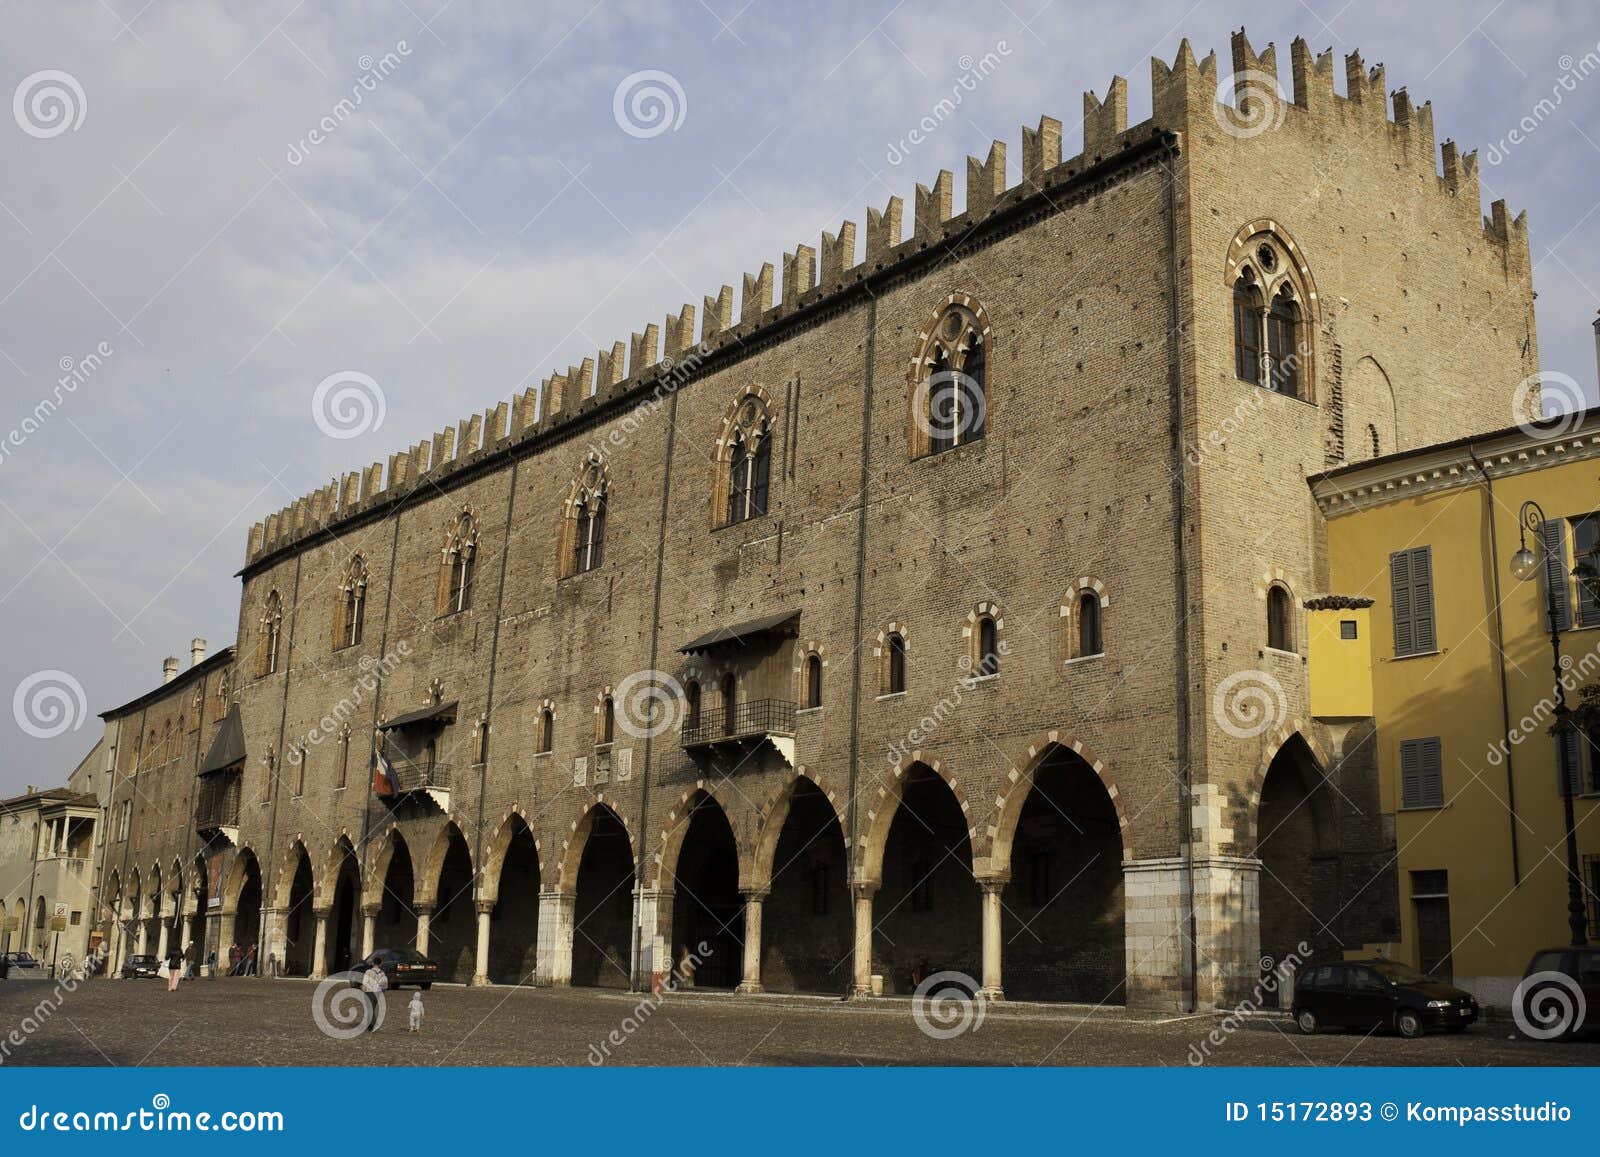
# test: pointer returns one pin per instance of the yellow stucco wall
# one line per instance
(1341, 685)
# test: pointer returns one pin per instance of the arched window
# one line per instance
(730, 702)
(608, 721)
(813, 680)
(352, 610)
(1283, 343)
(949, 397)
(895, 681)
(1089, 639)
(584, 520)
(1280, 634)
(747, 450)
(271, 635)
(988, 659)
(1247, 328)
(691, 704)
(458, 565)
(544, 740)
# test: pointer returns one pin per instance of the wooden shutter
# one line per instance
(1553, 578)
(1572, 746)
(1421, 773)
(1411, 590)
(1432, 774)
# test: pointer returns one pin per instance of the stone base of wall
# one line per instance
(1227, 914)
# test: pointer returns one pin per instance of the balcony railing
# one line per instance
(420, 775)
(218, 804)
(751, 719)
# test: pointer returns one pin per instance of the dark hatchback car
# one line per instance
(138, 967)
(1580, 966)
(1379, 994)
(402, 966)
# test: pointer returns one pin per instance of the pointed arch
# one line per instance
(244, 863)
(1313, 772)
(1279, 287)
(287, 867)
(458, 563)
(392, 843)
(773, 815)
(578, 835)
(451, 833)
(1371, 414)
(343, 849)
(582, 537)
(269, 636)
(948, 388)
(513, 823)
(886, 802)
(678, 820)
(350, 606)
(742, 459)
(1020, 782)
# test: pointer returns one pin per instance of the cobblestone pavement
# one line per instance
(258, 1022)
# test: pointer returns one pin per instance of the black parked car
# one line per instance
(1580, 966)
(20, 966)
(402, 966)
(1373, 994)
(140, 967)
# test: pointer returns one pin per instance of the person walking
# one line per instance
(174, 969)
(373, 983)
(415, 1011)
(235, 959)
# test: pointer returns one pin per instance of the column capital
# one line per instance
(425, 909)
(864, 889)
(993, 883)
(321, 913)
(483, 907)
(756, 894)
(371, 911)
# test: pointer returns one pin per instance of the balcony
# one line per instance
(216, 808)
(414, 777)
(745, 724)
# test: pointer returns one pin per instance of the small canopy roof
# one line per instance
(782, 624)
(437, 713)
(227, 749)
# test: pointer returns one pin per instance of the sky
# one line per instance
(200, 226)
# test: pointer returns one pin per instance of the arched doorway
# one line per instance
(299, 927)
(247, 917)
(38, 940)
(452, 934)
(199, 899)
(603, 909)
(1293, 838)
(514, 925)
(151, 911)
(1062, 917)
(806, 922)
(344, 926)
(927, 911)
(707, 911)
(396, 924)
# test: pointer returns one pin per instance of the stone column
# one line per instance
(861, 984)
(163, 931)
(424, 926)
(480, 971)
(992, 889)
(753, 901)
(319, 950)
(369, 929)
(273, 942)
(655, 938)
(557, 911)
(225, 933)
(142, 939)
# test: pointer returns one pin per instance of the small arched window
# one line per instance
(271, 634)
(1247, 328)
(988, 647)
(352, 611)
(749, 461)
(730, 702)
(813, 680)
(1284, 353)
(544, 741)
(950, 381)
(691, 704)
(1090, 641)
(895, 682)
(458, 565)
(608, 721)
(584, 525)
(1280, 634)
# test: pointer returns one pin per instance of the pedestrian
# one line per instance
(235, 959)
(191, 959)
(415, 1010)
(174, 969)
(250, 959)
(373, 983)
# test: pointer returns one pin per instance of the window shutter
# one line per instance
(1554, 575)
(1572, 745)
(1432, 774)
(1421, 773)
(1411, 591)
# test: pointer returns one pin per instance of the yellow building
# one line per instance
(1452, 659)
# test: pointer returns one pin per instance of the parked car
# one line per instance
(402, 966)
(1374, 994)
(22, 966)
(1580, 966)
(139, 967)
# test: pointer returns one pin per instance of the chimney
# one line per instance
(169, 669)
(197, 652)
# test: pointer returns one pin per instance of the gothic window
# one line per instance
(813, 680)
(949, 374)
(1273, 300)
(584, 520)
(1280, 633)
(458, 564)
(745, 461)
(271, 635)
(1247, 329)
(1089, 638)
(608, 722)
(691, 704)
(351, 614)
(895, 674)
(1283, 343)
(988, 658)
(544, 741)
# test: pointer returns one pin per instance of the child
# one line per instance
(416, 1011)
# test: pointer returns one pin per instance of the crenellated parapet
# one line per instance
(1185, 99)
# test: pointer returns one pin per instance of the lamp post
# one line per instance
(1525, 564)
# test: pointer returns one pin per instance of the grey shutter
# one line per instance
(1432, 774)
(1421, 773)
(1410, 774)
(1572, 745)
(1400, 590)
(1411, 591)
(1553, 577)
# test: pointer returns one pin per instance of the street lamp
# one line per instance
(1525, 564)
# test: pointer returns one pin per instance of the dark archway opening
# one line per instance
(299, 927)
(708, 912)
(514, 926)
(344, 924)
(452, 936)
(1062, 930)
(247, 919)
(927, 916)
(603, 910)
(1291, 837)
(200, 900)
(806, 926)
(396, 925)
